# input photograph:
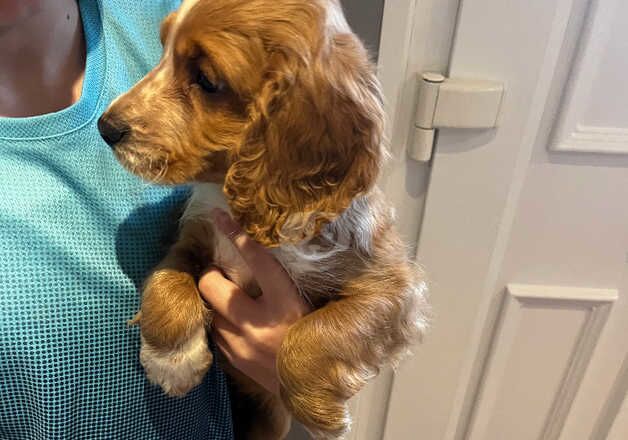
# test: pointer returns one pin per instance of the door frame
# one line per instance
(405, 22)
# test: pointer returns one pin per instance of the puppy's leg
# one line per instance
(173, 316)
(329, 355)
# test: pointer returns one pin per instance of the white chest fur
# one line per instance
(204, 199)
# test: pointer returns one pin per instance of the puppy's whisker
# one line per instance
(162, 169)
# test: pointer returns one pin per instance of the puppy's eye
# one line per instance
(206, 84)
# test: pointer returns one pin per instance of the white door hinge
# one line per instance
(452, 103)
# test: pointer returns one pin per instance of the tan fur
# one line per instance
(171, 304)
(314, 141)
(166, 27)
(330, 354)
(294, 134)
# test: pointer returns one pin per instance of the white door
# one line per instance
(523, 229)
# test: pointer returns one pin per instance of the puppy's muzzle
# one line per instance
(112, 130)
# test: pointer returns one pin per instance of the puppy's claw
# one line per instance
(136, 319)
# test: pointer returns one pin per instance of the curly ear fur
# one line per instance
(314, 141)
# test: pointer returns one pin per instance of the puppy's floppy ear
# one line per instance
(313, 144)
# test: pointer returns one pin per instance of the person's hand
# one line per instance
(249, 331)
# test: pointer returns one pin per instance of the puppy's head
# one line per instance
(275, 98)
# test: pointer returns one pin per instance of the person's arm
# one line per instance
(250, 331)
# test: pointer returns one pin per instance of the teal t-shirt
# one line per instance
(77, 236)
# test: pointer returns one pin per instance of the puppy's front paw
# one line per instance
(179, 370)
(316, 395)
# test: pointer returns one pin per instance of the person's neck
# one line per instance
(43, 60)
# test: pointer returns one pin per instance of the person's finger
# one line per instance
(246, 364)
(224, 347)
(268, 272)
(236, 345)
(226, 298)
(262, 342)
(227, 329)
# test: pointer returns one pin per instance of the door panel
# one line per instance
(505, 208)
(542, 348)
(464, 232)
(594, 115)
(619, 430)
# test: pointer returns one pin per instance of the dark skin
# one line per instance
(44, 41)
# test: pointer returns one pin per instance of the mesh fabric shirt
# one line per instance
(78, 234)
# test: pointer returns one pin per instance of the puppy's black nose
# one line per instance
(111, 130)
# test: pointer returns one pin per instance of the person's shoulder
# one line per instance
(139, 18)
(138, 10)
(131, 30)
(156, 8)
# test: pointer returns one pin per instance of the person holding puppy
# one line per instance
(78, 234)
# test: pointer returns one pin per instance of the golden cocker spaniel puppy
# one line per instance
(272, 109)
